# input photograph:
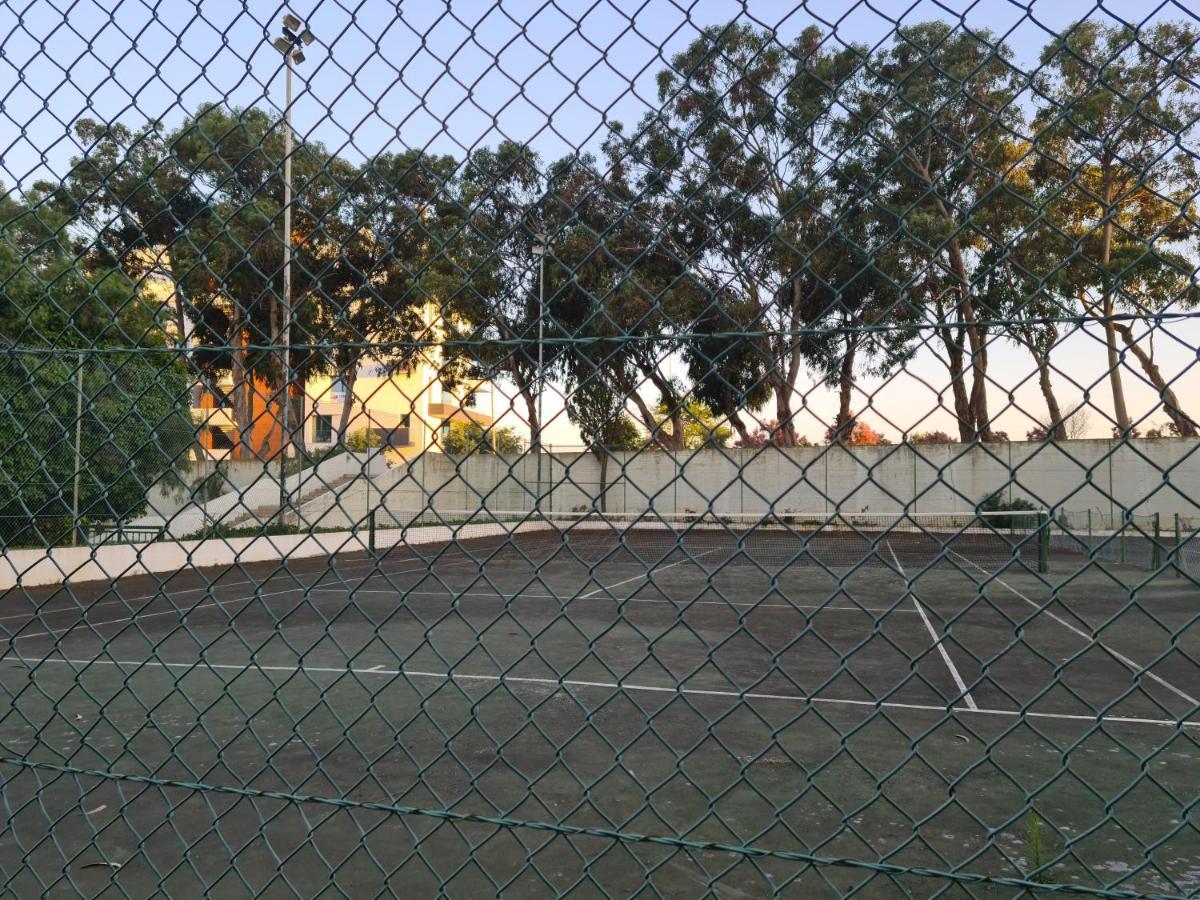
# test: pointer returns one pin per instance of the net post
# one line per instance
(1156, 547)
(1043, 540)
(371, 532)
(1176, 555)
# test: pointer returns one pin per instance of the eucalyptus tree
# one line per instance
(1118, 107)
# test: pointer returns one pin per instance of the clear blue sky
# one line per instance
(390, 75)
(455, 76)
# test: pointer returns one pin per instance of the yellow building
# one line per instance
(406, 410)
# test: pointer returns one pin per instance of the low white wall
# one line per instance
(1109, 477)
(30, 568)
(177, 489)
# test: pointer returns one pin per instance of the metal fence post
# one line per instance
(1044, 541)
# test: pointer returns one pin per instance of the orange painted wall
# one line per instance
(264, 437)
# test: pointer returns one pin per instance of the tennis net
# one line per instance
(769, 540)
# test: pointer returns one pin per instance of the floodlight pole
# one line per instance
(288, 43)
(286, 301)
(539, 250)
(75, 529)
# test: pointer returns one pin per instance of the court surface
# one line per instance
(895, 712)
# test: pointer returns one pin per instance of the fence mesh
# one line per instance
(620, 449)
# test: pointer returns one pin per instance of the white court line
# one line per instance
(1124, 660)
(938, 642)
(379, 671)
(451, 594)
(216, 584)
(639, 577)
(181, 612)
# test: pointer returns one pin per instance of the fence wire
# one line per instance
(598, 449)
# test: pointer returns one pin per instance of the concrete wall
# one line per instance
(1108, 477)
(175, 490)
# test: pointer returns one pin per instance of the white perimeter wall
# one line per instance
(1108, 477)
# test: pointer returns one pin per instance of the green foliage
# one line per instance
(134, 428)
(363, 440)
(1035, 840)
(701, 427)
(467, 437)
(998, 503)
(599, 413)
(135, 423)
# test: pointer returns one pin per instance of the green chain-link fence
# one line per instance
(727, 449)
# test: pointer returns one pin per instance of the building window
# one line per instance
(322, 429)
(337, 391)
(405, 420)
(221, 439)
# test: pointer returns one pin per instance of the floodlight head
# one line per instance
(297, 57)
(283, 45)
(307, 37)
(291, 23)
(539, 244)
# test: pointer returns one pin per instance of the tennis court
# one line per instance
(704, 682)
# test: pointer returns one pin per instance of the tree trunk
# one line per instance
(1185, 425)
(846, 381)
(347, 376)
(739, 425)
(1120, 411)
(526, 392)
(958, 386)
(677, 439)
(240, 394)
(1057, 427)
(297, 419)
(648, 420)
(601, 454)
(978, 406)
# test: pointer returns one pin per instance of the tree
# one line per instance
(929, 437)
(615, 281)
(65, 328)
(854, 433)
(200, 208)
(467, 437)
(384, 269)
(768, 435)
(928, 137)
(495, 211)
(599, 413)
(701, 427)
(734, 161)
(842, 312)
(363, 441)
(1115, 102)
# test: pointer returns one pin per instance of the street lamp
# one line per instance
(539, 250)
(295, 35)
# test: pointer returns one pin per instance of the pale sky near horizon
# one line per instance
(453, 77)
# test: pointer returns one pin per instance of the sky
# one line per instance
(451, 77)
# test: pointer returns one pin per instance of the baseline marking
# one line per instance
(380, 672)
(451, 594)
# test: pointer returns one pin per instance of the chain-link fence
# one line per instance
(599, 449)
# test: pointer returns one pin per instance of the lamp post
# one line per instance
(294, 36)
(539, 250)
